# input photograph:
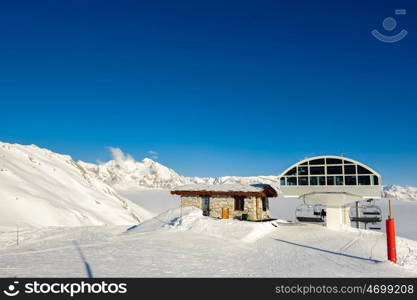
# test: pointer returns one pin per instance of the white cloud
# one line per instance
(153, 154)
(119, 156)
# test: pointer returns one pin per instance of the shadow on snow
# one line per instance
(328, 251)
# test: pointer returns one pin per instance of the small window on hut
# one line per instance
(265, 203)
(239, 203)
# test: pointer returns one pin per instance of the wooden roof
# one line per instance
(254, 190)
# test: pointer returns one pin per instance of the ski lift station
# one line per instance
(329, 186)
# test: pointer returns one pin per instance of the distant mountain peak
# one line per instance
(405, 193)
(148, 160)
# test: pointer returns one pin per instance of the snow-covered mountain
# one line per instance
(124, 173)
(42, 188)
(405, 193)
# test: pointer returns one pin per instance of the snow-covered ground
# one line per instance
(186, 244)
(182, 243)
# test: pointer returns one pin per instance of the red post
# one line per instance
(392, 252)
(391, 247)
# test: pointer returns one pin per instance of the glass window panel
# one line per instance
(351, 169)
(339, 180)
(293, 171)
(362, 170)
(347, 162)
(333, 161)
(319, 161)
(302, 170)
(291, 180)
(322, 180)
(302, 180)
(376, 180)
(304, 164)
(334, 170)
(282, 181)
(316, 170)
(350, 180)
(364, 180)
(330, 180)
(314, 180)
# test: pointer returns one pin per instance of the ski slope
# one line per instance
(186, 244)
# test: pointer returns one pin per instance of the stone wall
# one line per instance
(218, 202)
(252, 207)
(195, 201)
(262, 215)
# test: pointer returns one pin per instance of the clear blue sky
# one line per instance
(215, 87)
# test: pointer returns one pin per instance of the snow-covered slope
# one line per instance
(42, 188)
(404, 193)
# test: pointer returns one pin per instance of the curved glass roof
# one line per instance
(329, 171)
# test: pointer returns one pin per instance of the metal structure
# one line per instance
(366, 214)
(310, 213)
(335, 182)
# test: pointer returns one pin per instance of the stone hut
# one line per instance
(239, 201)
